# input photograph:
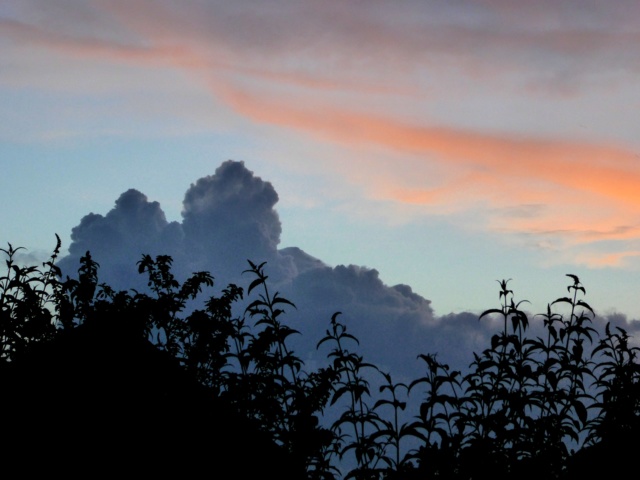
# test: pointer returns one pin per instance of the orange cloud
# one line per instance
(99, 50)
(610, 173)
(602, 260)
(593, 189)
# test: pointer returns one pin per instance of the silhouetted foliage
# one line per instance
(116, 377)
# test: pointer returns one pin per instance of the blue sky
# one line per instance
(445, 144)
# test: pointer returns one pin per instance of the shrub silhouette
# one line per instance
(165, 381)
(98, 392)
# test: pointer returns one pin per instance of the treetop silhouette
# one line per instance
(89, 373)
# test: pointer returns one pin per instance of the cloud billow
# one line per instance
(228, 218)
(117, 240)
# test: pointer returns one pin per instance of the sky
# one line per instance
(438, 146)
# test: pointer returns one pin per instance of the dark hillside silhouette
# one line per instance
(104, 398)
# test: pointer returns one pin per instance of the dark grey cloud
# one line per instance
(117, 240)
(620, 320)
(230, 217)
(389, 321)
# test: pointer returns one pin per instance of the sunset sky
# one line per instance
(446, 144)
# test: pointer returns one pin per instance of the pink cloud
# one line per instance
(593, 188)
(603, 260)
(609, 172)
(381, 40)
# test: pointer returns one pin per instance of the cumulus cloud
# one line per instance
(116, 240)
(230, 217)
